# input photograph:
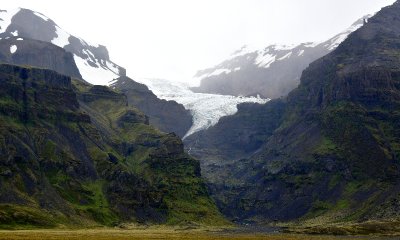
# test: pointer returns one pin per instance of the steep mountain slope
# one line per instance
(19, 51)
(93, 60)
(168, 116)
(234, 137)
(21, 27)
(76, 154)
(334, 156)
(271, 72)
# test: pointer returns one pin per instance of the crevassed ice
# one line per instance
(206, 109)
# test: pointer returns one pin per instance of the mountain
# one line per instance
(331, 154)
(36, 38)
(19, 51)
(93, 60)
(271, 72)
(168, 116)
(206, 109)
(74, 154)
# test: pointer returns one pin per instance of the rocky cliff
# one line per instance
(333, 156)
(168, 116)
(74, 154)
(20, 51)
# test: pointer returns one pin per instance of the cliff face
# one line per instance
(334, 155)
(19, 51)
(76, 154)
(33, 39)
(168, 116)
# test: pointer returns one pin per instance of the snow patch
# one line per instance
(15, 33)
(20, 39)
(5, 18)
(13, 49)
(283, 47)
(111, 66)
(338, 39)
(41, 16)
(264, 60)
(62, 38)
(301, 52)
(286, 56)
(95, 75)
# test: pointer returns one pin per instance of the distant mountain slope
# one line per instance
(331, 154)
(29, 31)
(271, 72)
(73, 154)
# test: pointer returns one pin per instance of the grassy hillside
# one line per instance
(72, 154)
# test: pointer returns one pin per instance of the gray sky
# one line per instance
(173, 39)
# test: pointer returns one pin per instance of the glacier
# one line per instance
(206, 109)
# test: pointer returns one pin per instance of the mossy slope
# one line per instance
(77, 155)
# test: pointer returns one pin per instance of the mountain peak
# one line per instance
(92, 60)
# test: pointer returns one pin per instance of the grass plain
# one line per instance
(164, 233)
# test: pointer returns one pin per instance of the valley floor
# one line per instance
(163, 233)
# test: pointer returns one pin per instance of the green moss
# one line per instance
(14, 216)
(342, 204)
(334, 181)
(325, 146)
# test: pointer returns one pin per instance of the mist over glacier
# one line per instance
(206, 109)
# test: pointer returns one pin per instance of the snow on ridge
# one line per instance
(246, 49)
(41, 16)
(206, 109)
(338, 39)
(5, 18)
(216, 72)
(311, 44)
(286, 56)
(13, 49)
(264, 60)
(62, 38)
(280, 47)
(95, 75)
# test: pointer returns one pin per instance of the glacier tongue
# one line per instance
(206, 109)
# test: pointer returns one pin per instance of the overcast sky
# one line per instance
(172, 39)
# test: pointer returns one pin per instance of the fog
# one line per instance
(175, 38)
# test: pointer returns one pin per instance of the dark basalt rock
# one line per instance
(38, 54)
(333, 151)
(168, 116)
(75, 154)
